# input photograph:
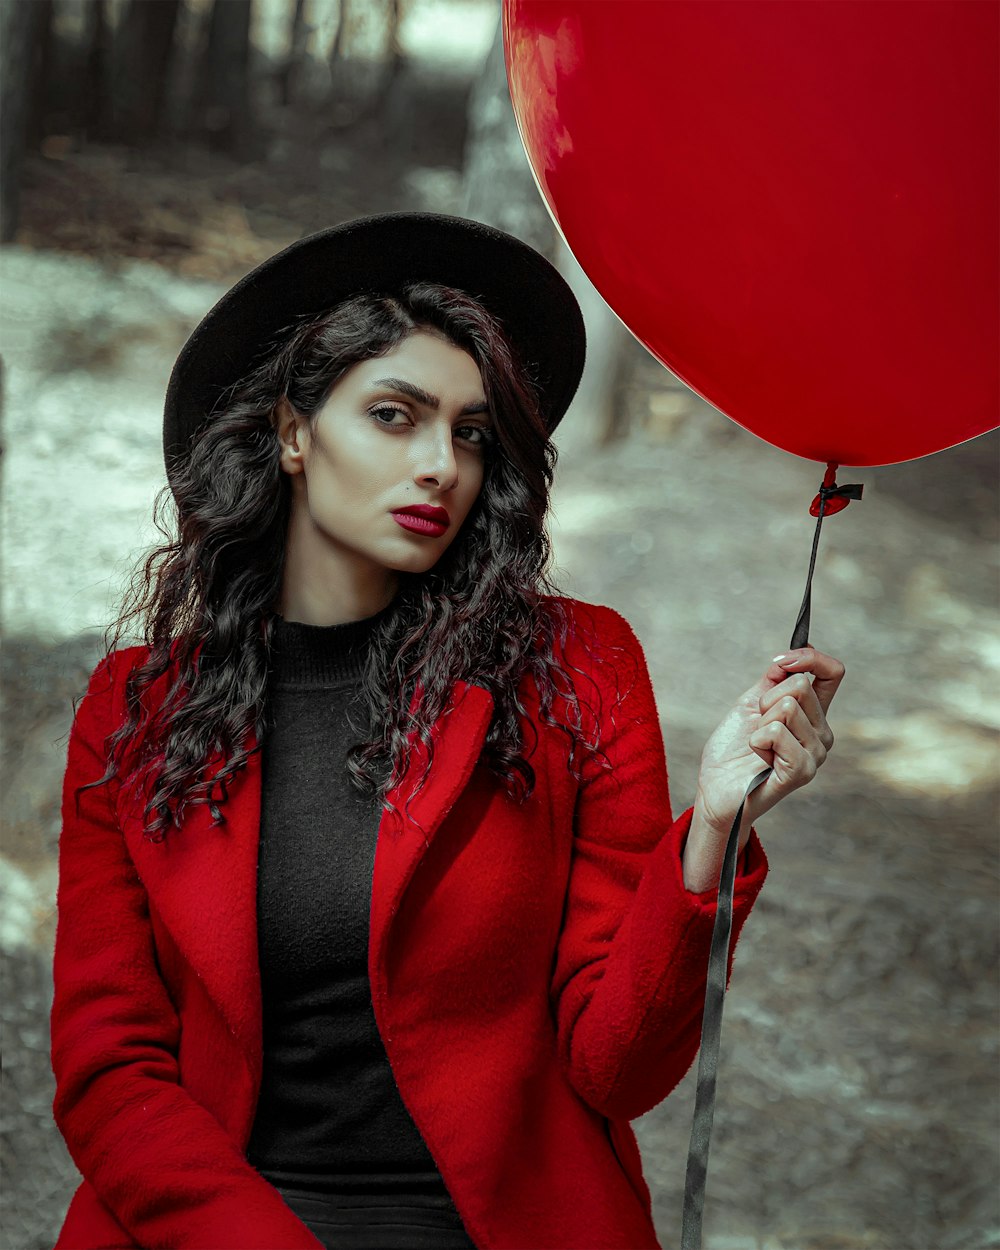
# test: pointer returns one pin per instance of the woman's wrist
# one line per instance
(705, 849)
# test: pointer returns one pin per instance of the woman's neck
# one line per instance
(325, 584)
(311, 605)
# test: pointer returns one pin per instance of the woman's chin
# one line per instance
(424, 565)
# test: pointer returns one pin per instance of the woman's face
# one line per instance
(409, 427)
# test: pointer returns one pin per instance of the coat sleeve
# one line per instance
(631, 966)
(160, 1162)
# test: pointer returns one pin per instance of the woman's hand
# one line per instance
(781, 720)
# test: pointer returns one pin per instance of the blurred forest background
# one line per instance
(152, 152)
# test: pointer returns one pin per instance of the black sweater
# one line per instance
(330, 1116)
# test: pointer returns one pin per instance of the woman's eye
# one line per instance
(484, 437)
(480, 435)
(385, 408)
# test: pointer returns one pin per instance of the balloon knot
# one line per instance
(834, 498)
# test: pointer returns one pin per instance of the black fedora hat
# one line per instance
(383, 253)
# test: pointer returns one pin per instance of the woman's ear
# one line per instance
(289, 425)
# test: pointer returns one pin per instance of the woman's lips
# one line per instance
(419, 524)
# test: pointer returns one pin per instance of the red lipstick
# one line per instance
(423, 518)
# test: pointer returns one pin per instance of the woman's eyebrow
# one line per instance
(424, 397)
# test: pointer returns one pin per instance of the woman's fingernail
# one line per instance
(784, 659)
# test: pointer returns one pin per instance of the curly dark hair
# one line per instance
(487, 612)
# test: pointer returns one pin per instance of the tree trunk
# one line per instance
(223, 115)
(95, 107)
(352, 101)
(337, 47)
(19, 32)
(500, 189)
(296, 54)
(146, 41)
(40, 73)
(395, 63)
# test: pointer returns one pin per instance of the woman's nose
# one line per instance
(436, 461)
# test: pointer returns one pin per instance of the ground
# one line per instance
(857, 1096)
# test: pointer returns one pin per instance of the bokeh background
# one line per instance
(155, 150)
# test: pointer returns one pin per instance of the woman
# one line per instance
(375, 928)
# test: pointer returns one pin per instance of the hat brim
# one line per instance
(533, 302)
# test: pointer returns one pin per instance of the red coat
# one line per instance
(537, 971)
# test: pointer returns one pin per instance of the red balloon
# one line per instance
(793, 206)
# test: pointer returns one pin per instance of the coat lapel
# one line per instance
(202, 880)
(457, 738)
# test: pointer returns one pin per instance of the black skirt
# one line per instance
(379, 1221)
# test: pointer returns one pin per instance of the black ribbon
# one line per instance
(800, 634)
(711, 1029)
(718, 960)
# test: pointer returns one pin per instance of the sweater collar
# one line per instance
(321, 655)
